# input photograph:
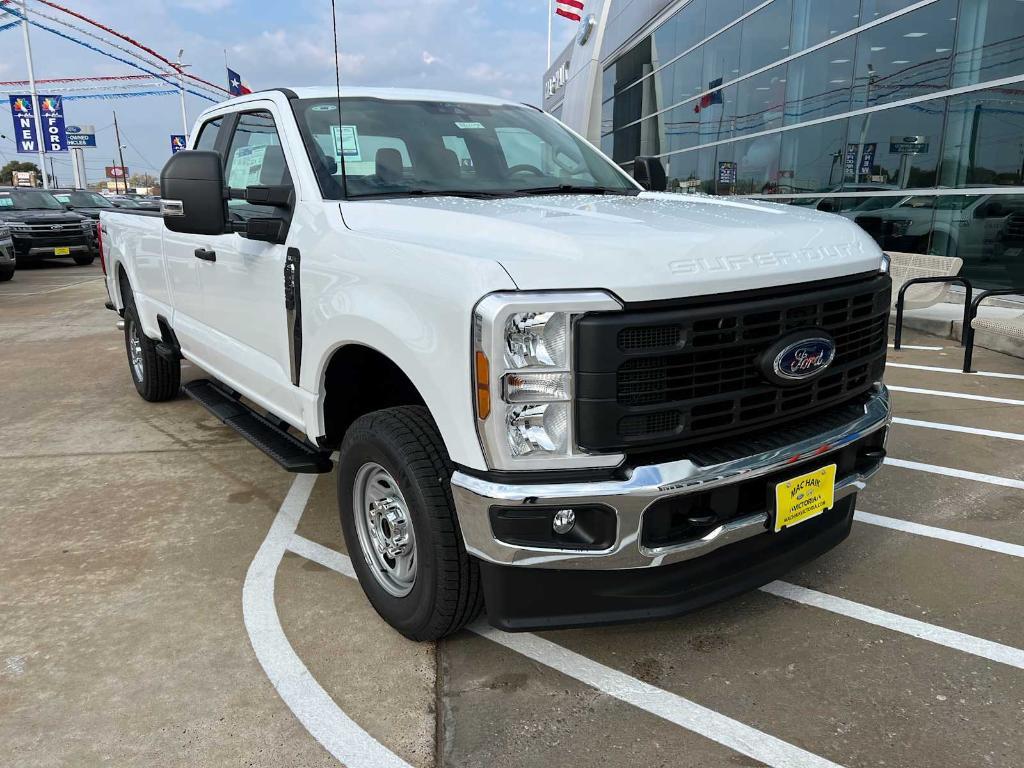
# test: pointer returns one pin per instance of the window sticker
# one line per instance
(470, 126)
(246, 166)
(346, 142)
(6, 201)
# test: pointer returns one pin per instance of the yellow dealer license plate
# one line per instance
(61, 251)
(804, 497)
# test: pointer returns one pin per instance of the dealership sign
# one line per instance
(727, 172)
(116, 171)
(51, 118)
(909, 145)
(81, 135)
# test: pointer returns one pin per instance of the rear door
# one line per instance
(244, 310)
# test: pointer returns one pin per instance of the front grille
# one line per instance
(686, 375)
(50, 235)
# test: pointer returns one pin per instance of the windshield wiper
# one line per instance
(574, 189)
(471, 194)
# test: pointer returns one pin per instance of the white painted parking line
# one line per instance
(949, 638)
(944, 534)
(303, 695)
(955, 395)
(936, 369)
(708, 723)
(682, 712)
(917, 346)
(958, 428)
(962, 474)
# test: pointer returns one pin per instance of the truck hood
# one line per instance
(648, 247)
(40, 216)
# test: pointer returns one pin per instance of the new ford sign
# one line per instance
(798, 357)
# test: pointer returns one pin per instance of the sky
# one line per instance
(494, 47)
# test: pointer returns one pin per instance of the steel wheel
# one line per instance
(135, 357)
(384, 528)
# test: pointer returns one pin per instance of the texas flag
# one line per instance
(236, 85)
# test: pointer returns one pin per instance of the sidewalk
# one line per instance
(946, 321)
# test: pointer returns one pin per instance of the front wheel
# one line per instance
(400, 525)
(84, 261)
(6, 274)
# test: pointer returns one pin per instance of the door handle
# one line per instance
(205, 255)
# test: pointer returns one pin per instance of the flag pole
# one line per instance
(34, 97)
(550, 14)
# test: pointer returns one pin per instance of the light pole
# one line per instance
(181, 92)
(32, 90)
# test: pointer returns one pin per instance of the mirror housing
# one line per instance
(265, 229)
(193, 199)
(650, 173)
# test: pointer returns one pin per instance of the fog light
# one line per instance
(564, 521)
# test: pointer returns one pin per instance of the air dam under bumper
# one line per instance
(530, 587)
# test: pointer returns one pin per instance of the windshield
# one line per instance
(29, 199)
(82, 199)
(396, 148)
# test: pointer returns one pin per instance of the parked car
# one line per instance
(7, 261)
(554, 393)
(42, 227)
(964, 225)
(87, 203)
(136, 201)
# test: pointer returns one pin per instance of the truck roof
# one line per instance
(393, 94)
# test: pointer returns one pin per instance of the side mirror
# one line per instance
(68, 207)
(193, 199)
(650, 173)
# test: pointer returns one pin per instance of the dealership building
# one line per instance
(907, 117)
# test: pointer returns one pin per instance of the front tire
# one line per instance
(84, 261)
(400, 526)
(6, 274)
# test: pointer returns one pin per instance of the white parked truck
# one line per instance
(555, 393)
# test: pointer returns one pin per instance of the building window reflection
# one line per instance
(841, 105)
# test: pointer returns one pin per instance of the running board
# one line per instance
(273, 439)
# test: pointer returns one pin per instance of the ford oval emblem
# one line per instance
(798, 357)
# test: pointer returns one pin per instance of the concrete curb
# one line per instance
(953, 330)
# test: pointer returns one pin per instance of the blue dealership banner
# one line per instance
(177, 142)
(51, 118)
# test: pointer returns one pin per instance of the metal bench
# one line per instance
(1012, 327)
(919, 269)
(905, 267)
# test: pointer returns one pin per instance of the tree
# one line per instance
(142, 180)
(7, 172)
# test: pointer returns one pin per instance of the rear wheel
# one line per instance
(156, 378)
(400, 525)
(84, 261)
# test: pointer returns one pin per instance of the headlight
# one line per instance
(20, 228)
(886, 264)
(523, 378)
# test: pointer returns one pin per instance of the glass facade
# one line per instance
(907, 118)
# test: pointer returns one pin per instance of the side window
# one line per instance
(208, 135)
(255, 157)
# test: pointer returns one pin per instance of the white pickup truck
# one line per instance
(555, 392)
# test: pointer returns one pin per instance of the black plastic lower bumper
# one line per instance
(520, 599)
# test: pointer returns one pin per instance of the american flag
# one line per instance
(570, 9)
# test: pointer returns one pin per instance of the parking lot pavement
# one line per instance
(170, 597)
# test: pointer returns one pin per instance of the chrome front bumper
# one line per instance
(646, 485)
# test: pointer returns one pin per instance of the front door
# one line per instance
(243, 288)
